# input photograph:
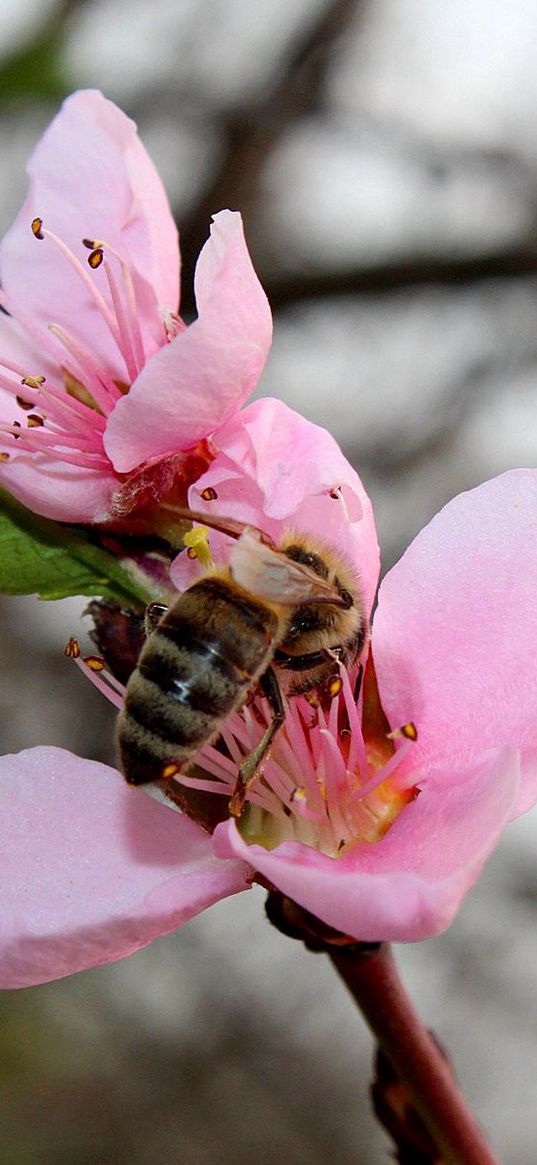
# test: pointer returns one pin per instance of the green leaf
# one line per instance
(38, 556)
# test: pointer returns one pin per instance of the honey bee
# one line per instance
(278, 616)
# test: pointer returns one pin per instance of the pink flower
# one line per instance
(101, 383)
(380, 838)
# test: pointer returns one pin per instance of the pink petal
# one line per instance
(91, 870)
(205, 374)
(91, 177)
(409, 885)
(277, 470)
(56, 490)
(455, 634)
(18, 346)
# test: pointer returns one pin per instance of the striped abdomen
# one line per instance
(195, 669)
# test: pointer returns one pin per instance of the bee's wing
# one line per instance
(270, 575)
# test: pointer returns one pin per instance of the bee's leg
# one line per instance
(309, 660)
(153, 615)
(249, 770)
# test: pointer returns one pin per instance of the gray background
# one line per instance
(384, 155)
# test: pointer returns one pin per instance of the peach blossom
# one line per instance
(110, 379)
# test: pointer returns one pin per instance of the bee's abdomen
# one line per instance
(195, 669)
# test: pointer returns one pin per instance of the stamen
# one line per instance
(386, 771)
(41, 233)
(40, 440)
(53, 438)
(169, 771)
(210, 786)
(130, 318)
(209, 494)
(173, 324)
(124, 331)
(405, 732)
(197, 541)
(95, 662)
(100, 678)
(33, 381)
(104, 392)
(78, 416)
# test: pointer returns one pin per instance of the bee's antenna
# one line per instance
(231, 526)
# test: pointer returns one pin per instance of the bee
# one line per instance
(276, 617)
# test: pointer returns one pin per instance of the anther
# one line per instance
(94, 662)
(37, 228)
(197, 542)
(24, 404)
(334, 686)
(34, 421)
(95, 258)
(16, 425)
(92, 244)
(72, 650)
(209, 494)
(3, 458)
(169, 771)
(335, 494)
(405, 732)
(33, 381)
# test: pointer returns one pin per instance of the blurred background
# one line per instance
(384, 156)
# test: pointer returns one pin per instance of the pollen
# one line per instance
(33, 381)
(94, 662)
(334, 686)
(72, 650)
(169, 771)
(197, 543)
(405, 732)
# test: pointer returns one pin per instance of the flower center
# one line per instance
(333, 779)
(67, 419)
(323, 784)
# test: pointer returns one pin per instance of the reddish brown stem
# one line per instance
(374, 983)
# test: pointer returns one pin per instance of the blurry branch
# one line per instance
(249, 136)
(35, 71)
(301, 286)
